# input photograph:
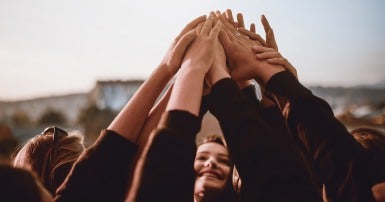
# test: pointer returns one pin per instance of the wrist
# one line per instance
(216, 74)
(168, 72)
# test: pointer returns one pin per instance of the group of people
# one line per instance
(287, 146)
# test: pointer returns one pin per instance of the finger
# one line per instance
(191, 26)
(261, 49)
(214, 16)
(285, 63)
(226, 23)
(207, 27)
(240, 21)
(215, 31)
(268, 55)
(252, 35)
(225, 39)
(270, 38)
(265, 23)
(199, 28)
(252, 28)
(181, 46)
(229, 16)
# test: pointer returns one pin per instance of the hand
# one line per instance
(219, 69)
(173, 58)
(202, 51)
(274, 57)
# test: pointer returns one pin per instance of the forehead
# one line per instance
(212, 148)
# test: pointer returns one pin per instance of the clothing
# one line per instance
(269, 162)
(339, 161)
(101, 172)
(167, 165)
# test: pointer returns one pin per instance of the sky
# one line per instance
(54, 47)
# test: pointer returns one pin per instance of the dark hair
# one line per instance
(230, 194)
(371, 139)
(17, 184)
(213, 138)
(51, 163)
(373, 143)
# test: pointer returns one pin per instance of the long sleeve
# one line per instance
(336, 156)
(167, 164)
(101, 172)
(269, 162)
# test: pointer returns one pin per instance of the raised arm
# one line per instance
(101, 172)
(130, 120)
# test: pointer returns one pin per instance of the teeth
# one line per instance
(210, 175)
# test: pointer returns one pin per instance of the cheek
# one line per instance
(226, 171)
(197, 166)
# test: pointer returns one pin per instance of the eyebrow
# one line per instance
(219, 154)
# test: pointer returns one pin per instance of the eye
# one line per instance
(200, 157)
(225, 161)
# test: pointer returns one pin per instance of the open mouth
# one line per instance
(211, 174)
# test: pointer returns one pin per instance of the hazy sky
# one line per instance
(59, 46)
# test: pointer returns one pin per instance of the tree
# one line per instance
(52, 117)
(94, 120)
(21, 119)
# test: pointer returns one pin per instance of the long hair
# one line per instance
(51, 163)
(230, 194)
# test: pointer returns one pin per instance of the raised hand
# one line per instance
(202, 51)
(242, 62)
(173, 58)
(188, 87)
(274, 57)
(219, 69)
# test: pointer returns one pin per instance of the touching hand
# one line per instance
(201, 54)
(219, 69)
(274, 57)
(173, 58)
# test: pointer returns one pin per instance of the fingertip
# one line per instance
(252, 27)
(255, 48)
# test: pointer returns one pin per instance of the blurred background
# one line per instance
(75, 63)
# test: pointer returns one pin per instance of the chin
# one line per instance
(205, 184)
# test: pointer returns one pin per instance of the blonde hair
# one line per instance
(51, 163)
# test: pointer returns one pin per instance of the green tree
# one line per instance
(52, 117)
(94, 120)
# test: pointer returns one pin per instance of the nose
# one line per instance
(210, 163)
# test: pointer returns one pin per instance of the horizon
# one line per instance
(55, 47)
(378, 86)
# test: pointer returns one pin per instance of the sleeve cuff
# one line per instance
(286, 85)
(181, 121)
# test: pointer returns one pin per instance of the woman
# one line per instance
(213, 169)
(50, 155)
(101, 171)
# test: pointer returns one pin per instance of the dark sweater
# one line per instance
(339, 161)
(270, 164)
(101, 172)
(167, 164)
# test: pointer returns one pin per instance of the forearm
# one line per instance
(310, 119)
(187, 91)
(131, 118)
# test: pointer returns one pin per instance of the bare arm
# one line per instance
(131, 118)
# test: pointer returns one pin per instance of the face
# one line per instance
(212, 167)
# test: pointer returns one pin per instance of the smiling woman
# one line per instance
(213, 167)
